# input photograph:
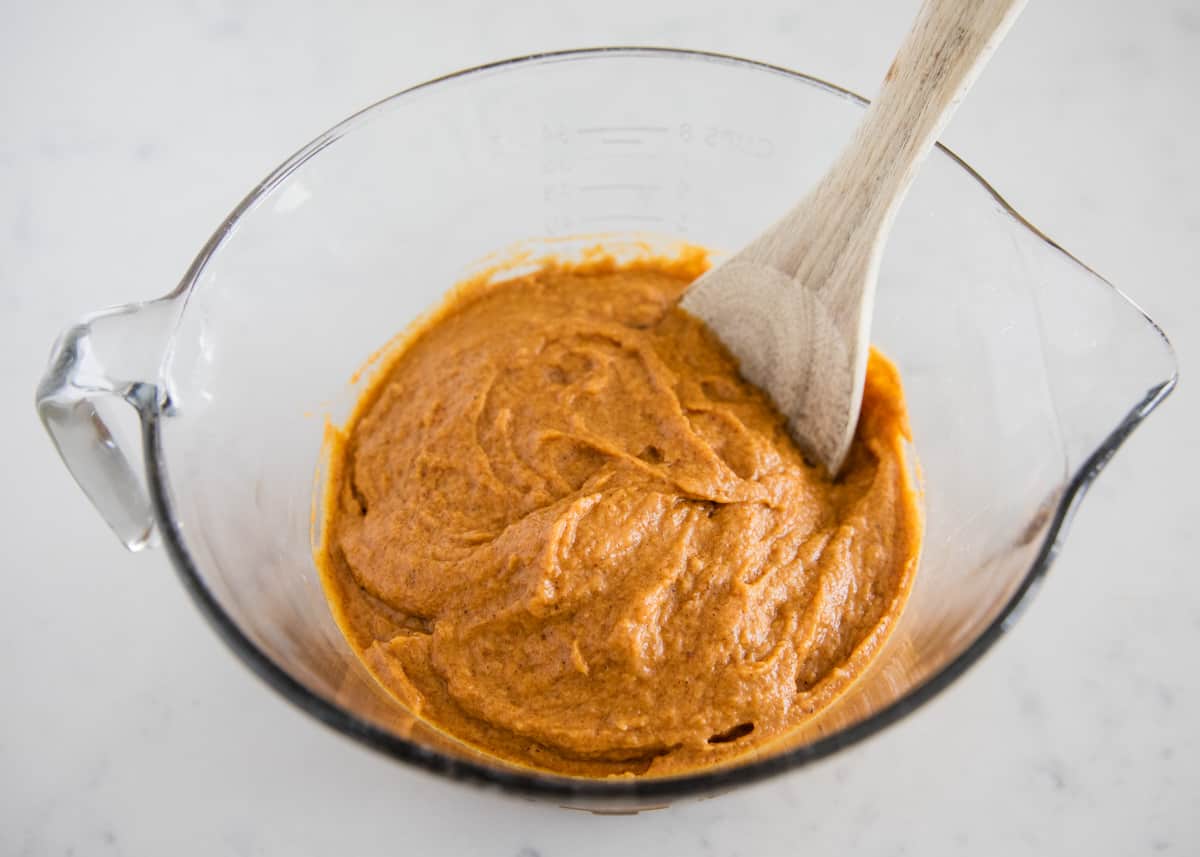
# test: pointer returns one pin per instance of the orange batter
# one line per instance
(562, 528)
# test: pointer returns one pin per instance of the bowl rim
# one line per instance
(556, 787)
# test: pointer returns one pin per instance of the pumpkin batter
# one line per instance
(562, 528)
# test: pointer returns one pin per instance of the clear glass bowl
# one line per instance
(1024, 369)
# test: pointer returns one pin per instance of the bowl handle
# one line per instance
(107, 357)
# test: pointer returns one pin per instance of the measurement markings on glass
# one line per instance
(623, 135)
(575, 161)
(623, 129)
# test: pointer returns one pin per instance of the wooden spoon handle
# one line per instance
(943, 55)
(852, 207)
(795, 305)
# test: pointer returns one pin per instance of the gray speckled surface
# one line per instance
(129, 130)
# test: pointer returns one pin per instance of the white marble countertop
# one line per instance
(130, 129)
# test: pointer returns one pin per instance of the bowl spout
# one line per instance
(1108, 365)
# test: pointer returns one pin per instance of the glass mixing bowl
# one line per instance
(1024, 369)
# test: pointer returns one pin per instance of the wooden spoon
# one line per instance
(794, 306)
